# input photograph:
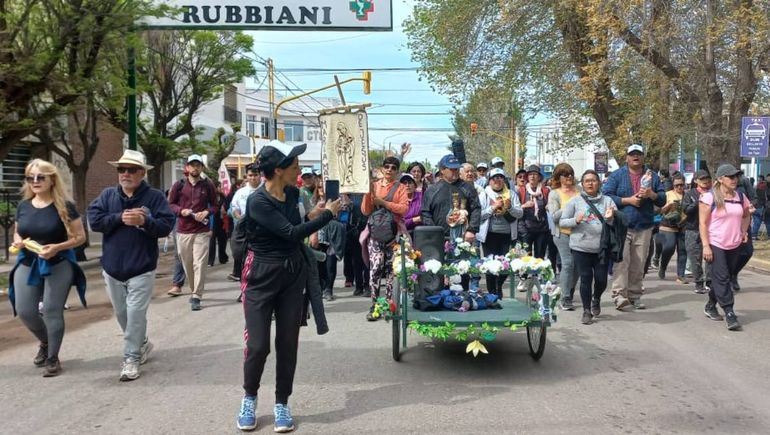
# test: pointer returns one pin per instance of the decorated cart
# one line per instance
(532, 309)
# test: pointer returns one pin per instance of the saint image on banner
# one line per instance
(345, 151)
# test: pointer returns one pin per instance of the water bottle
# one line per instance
(647, 179)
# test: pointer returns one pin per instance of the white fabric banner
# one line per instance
(345, 150)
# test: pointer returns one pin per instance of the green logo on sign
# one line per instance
(362, 8)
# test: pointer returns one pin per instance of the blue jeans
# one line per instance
(130, 300)
(671, 242)
(756, 221)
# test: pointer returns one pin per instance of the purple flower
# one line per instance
(413, 277)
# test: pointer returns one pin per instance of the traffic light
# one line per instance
(367, 82)
(474, 128)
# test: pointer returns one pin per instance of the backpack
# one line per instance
(613, 235)
(382, 224)
(714, 203)
(210, 189)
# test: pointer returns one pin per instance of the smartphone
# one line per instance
(332, 189)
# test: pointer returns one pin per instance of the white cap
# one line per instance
(635, 147)
(196, 158)
(482, 165)
(497, 160)
(497, 171)
(306, 171)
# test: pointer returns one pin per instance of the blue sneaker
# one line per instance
(247, 418)
(283, 420)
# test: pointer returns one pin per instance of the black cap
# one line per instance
(701, 173)
(277, 154)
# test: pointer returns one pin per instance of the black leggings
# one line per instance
(592, 271)
(537, 244)
(273, 287)
(724, 266)
(496, 244)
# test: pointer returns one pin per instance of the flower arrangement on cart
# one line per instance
(463, 259)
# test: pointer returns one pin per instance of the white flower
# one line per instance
(458, 240)
(517, 265)
(463, 266)
(494, 266)
(455, 279)
(432, 266)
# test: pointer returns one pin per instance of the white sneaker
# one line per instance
(146, 349)
(130, 371)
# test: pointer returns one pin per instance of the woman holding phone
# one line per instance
(274, 278)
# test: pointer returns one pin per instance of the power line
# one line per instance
(410, 68)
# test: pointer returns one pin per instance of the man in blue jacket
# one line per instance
(132, 216)
(635, 194)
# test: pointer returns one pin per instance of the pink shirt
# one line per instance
(725, 227)
(636, 181)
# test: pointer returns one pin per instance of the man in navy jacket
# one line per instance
(132, 216)
(636, 197)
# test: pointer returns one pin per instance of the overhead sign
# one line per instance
(354, 15)
(754, 136)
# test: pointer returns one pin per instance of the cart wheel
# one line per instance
(396, 320)
(536, 340)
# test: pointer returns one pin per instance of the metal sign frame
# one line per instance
(364, 8)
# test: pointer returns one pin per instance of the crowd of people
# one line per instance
(286, 239)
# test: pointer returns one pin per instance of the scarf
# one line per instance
(535, 194)
(503, 195)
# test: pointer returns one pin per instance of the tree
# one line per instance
(49, 50)
(656, 71)
(497, 118)
(179, 72)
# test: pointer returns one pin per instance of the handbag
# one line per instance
(613, 236)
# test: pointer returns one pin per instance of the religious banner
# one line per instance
(345, 150)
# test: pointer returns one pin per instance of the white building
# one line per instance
(249, 108)
(546, 148)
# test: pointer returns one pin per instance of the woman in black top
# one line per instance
(46, 216)
(274, 275)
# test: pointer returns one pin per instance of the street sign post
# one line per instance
(754, 136)
(290, 15)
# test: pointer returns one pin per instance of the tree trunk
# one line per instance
(583, 53)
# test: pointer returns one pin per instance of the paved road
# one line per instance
(664, 370)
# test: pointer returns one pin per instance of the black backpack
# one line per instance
(382, 224)
(613, 235)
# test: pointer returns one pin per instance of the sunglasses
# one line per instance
(678, 185)
(568, 175)
(37, 178)
(132, 171)
(391, 167)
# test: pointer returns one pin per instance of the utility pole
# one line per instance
(272, 129)
(514, 145)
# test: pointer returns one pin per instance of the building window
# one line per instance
(12, 170)
(251, 125)
(265, 127)
(294, 131)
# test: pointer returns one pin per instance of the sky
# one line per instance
(393, 92)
